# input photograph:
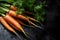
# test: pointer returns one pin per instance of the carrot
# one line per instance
(26, 19)
(15, 23)
(13, 8)
(14, 14)
(8, 27)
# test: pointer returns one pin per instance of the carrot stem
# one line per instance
(15, 23)
(7, 10)
(2, 14)
(7, 5)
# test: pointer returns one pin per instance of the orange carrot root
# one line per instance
(15, 23)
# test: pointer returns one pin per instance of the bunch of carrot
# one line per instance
(11, 19)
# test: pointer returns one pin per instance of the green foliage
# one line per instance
(37, 9)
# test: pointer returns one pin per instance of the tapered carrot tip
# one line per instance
(18, 36)
(27, 35)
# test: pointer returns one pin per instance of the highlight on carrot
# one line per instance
(8, 27)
